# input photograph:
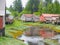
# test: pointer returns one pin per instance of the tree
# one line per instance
(56, 7)
(32, 6)
(50, 8)
(17, 5)
(48, 1)
(11, 8)
(42, 7)
(35, 5)
(29, 6)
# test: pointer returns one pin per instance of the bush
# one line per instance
(37, 13)
(14, 13)
(25, 12)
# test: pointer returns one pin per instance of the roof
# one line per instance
(2, 7)
(50, 15)
(28, 15)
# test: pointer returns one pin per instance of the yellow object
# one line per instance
(16, 34)
(58, 31)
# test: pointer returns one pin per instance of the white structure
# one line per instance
(29, 17)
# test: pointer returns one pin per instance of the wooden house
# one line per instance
(29, 17)
(2, 17)
(48, 18)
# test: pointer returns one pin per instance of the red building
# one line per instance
(49, 17)
(2, 17)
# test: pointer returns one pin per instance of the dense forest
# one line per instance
(35, 7)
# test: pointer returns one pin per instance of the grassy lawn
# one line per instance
(10, 41)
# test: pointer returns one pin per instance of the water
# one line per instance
(36, 39)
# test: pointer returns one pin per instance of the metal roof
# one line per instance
(2, 7)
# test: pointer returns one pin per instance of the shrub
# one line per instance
(37, 13)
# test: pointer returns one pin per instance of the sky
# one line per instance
(10, 2)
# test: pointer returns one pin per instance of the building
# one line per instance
(29, 17)
(48, 18)
(9, 18)
(2, 17)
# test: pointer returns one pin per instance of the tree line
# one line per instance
(35, 7)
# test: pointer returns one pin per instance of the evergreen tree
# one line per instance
(32, 6)
(17, 5)
(56, 6)
(48, 1)
(11, 8)
(35, 5)
(29, 6)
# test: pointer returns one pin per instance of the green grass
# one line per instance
(10, 41)
(51, 42)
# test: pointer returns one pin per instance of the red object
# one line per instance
(42, 32)
(44, 16)
(46, 34)
(1, 22)
(42, 19)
